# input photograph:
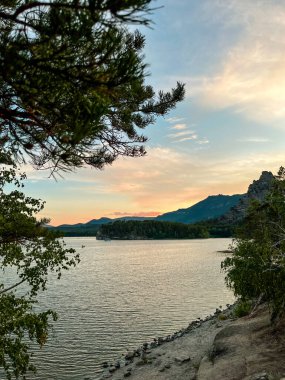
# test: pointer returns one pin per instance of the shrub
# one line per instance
(257, 266)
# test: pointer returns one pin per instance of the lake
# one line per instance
(124, 293)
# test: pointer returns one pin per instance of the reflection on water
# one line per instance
(124, 293)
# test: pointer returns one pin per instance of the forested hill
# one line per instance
(150, 229)
(209, 208)
(217, 214)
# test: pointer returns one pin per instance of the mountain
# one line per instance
(221, 209)
(257, 190)
(225, 208)
(209, 208)
(98, 221)
(90, 228)
(104, 220)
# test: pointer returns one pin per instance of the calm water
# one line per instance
(124, 293)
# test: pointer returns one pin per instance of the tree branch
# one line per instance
(12, 287)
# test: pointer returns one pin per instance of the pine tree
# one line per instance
(72, 82)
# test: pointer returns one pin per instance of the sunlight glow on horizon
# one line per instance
(229, 129)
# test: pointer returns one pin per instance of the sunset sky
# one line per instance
(231, 126)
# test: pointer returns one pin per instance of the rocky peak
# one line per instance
(257, 190)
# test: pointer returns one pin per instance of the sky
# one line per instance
(230, 127)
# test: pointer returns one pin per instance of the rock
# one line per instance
(182, 358)
(160, 341)
(167, 365)
(129, 355)
(118, 365)
(137, 353)
(157, 363)
(127, 374)
(260, 376)
(161, 369)
(105, 364)
(140, 362)
(257, 190)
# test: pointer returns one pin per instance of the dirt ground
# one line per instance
(218, 348)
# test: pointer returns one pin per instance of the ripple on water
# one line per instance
(124, 293)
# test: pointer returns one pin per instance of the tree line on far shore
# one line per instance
(150, 229)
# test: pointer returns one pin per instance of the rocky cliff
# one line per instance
(257, 190)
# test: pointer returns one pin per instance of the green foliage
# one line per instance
(242, 308)
(219, 229)
(150, 229)
(209, 228)
(85, 230)
(72, 88)
(257, 267)
(30, 252)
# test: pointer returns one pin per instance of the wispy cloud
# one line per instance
(166, 179)
(179, 126)
(175, 119)
(203, 142)
(254, 140)
(251, 79)
(193, 137)
(195, 178)
(139, 214)
(181, 133)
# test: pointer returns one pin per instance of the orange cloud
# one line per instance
(141, 213)
(251, 77)
(165, 181)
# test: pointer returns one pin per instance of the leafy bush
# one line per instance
(242, 308)
(257, 267)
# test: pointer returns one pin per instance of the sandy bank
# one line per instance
(217, 348)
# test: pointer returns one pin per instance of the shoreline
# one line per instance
(145, 354)
(218, 347)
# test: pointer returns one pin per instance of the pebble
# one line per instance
(260, 376)
(157, 363)
(118, 365)
(129, 355)
(182, 358)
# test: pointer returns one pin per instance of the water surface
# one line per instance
(124, 293)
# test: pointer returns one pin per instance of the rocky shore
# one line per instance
(220, 347)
